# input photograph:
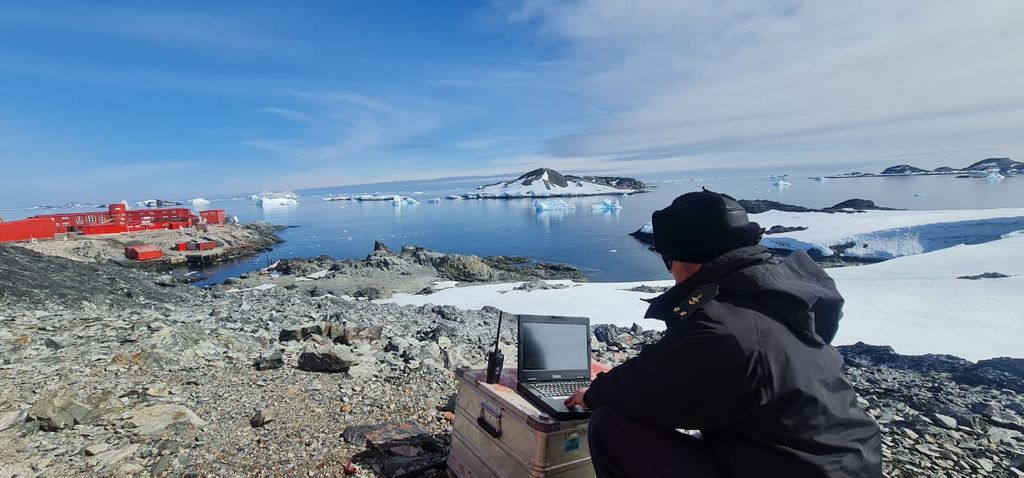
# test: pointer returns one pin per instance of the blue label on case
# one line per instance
(572, 444)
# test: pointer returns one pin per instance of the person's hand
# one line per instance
(576, 399)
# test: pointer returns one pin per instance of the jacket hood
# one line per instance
(793, 290)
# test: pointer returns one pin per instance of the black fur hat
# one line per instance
(700, 226)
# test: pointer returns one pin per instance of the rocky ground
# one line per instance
(116, 372)
(233, 241)
(411, 270)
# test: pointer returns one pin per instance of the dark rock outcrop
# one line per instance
(903, 169)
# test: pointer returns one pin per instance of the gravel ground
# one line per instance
(130, 375)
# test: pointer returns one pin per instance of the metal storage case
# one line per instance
(498, 433)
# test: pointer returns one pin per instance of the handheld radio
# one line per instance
(495, 359)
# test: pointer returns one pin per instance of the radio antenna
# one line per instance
(497, 337)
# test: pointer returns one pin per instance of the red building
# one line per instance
(27, 229)
(115, 220)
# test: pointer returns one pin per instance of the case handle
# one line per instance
(488, 409)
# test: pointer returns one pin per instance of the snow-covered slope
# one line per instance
(915, 304)
(546, 182)
(888, 234)
(918, 305)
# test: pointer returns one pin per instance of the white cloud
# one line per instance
(811, 81)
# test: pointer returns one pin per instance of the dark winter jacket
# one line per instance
(746, 360)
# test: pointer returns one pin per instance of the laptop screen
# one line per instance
(554, 346)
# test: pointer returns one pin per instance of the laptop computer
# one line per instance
(554, 362)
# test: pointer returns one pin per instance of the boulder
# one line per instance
(301, 333)
(155, 419)
(262, 417)
(269, 360)
(328, 359)
(58, 411)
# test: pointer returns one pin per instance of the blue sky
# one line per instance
(102, 101)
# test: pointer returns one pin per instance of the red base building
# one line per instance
(116, 220)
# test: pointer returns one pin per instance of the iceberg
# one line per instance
(280, 202)
(200, 202)
(553, 205)
(337, 198)
(995, 176)
(782, 183)
(434, 200)
(820, 179)
(607, 206)
(453, 197)
(647, 228)
(273, 195)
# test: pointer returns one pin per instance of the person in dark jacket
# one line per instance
(745, 359)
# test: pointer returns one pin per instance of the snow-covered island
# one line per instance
(545, 182)
(990, 168)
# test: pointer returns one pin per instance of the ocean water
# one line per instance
(596, 241)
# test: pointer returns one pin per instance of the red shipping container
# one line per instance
(206, 246)
(27, 229)
(181, 246)
(144, 252)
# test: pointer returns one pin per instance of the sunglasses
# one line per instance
(667, 260)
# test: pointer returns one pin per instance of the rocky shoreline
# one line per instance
(109, 371)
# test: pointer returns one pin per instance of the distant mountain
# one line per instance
(1003, 165)
(546, 182)
(903, 169)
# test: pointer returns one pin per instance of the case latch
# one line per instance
(490, 419)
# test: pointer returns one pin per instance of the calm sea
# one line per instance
(596, 241)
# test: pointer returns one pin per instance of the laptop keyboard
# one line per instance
(559, 389)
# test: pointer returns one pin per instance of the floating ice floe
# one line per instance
(434, 200)
(820, 179)
(995, 176)
(417, 193)
(403, 201)
(607, 205)
(453, 197)
(337, 198)
(200, 202)
(782, 183)
(553, 205)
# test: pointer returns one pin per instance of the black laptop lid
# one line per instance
(553, 348)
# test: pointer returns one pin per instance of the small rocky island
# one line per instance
(546, 182)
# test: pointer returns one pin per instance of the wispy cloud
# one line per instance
(819, 79)
(290, 115)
